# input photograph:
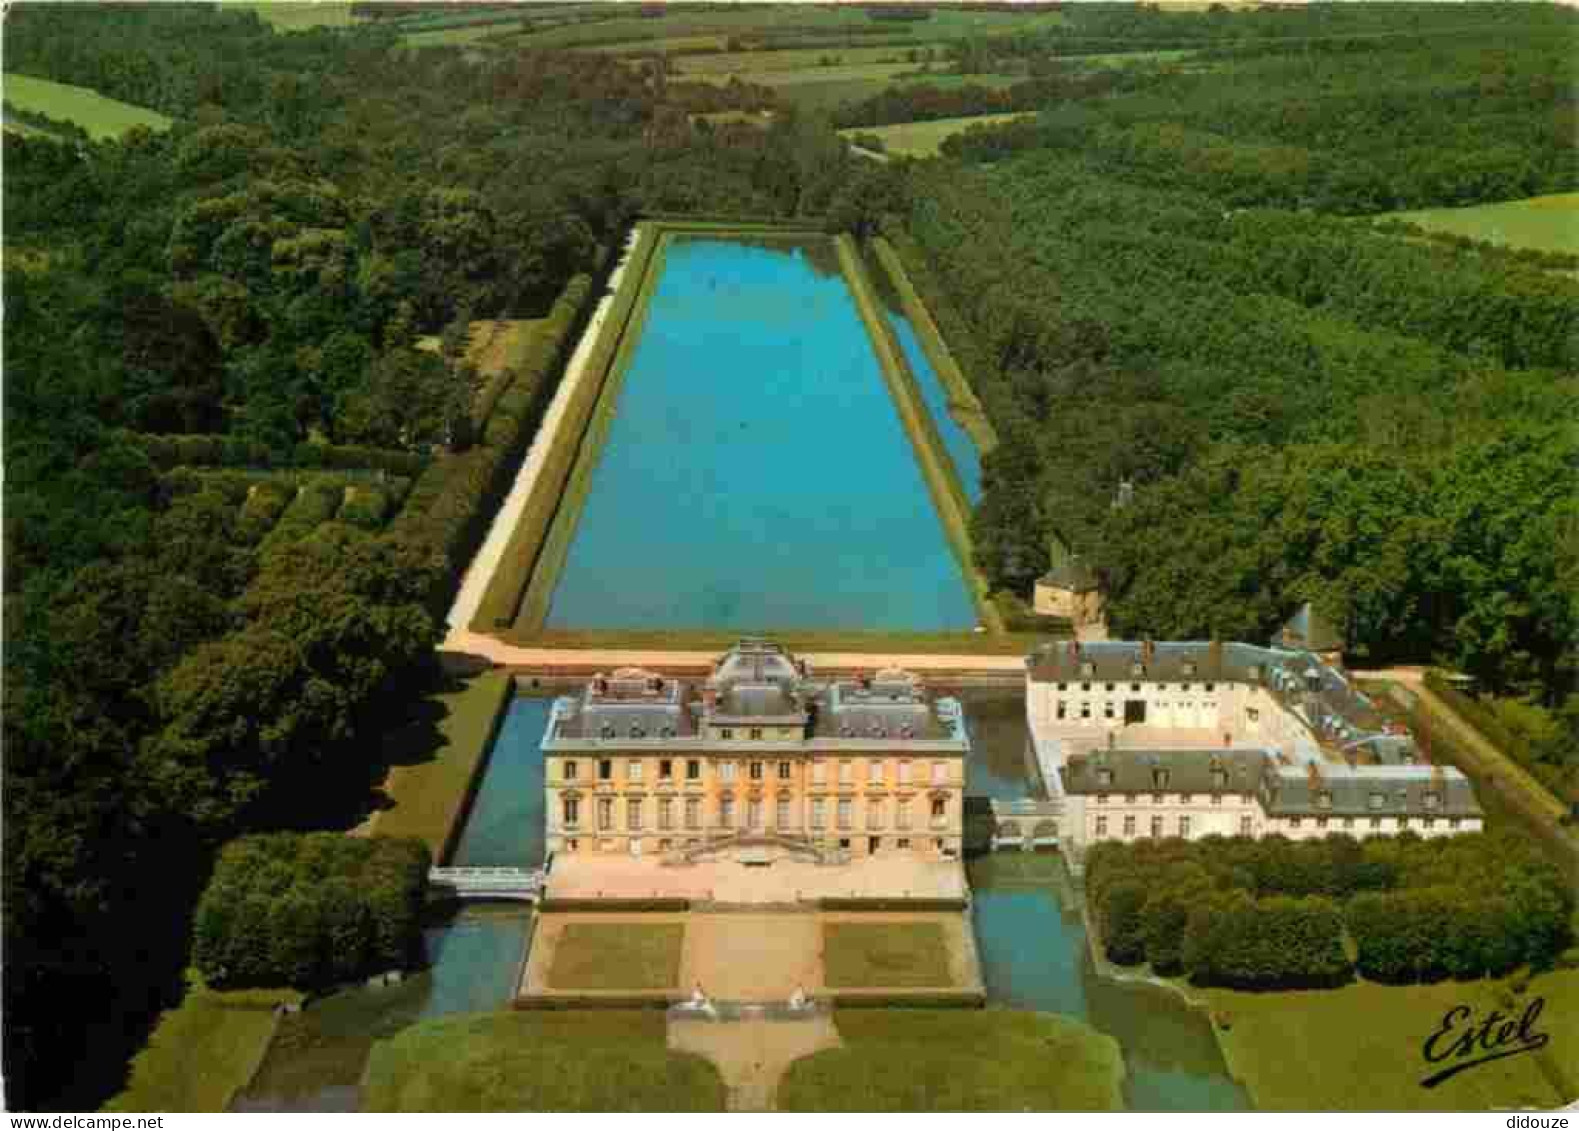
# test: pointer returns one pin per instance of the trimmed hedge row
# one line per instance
(452, 500)
(859, 903)
(213, 450)
(309, 910)
(315, 503)
(261, 512)
(364, 506)
(549, 906)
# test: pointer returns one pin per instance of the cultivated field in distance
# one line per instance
(1543, 223)
(102, 117)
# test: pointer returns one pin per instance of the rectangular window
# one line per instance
(1063, 711)
(1375, 801)
(902, 815)
(605, 769)
(874, 770)
(1107, 710)
(756, 732)
(819, 772)
(819, 812)
(1293, 822)
(1112, 686)
(693, 812)
(726, 771)
(1129, 826)
(1129, 799)
(570, 770)
(1211, 687)
(1101, 826)
(633, 815)
(1217, 799)
(1433, 800)
(939, 809)
(666, 768)
(1101, 799)
(726, 812)
(665, 813)
(1324, 799)
(1452, 822)
(939, 773)
(1376, 822)
(1184, 798)
(1184, 826)
(904, 773)
(754, 813)
(904, 844)
(693, 769)
(572, 810)
(1156, 827)
(846, 772)
(1348, 822)
(605, 814)
(756, 771)
(845, 811)
(633, 770)
(784, 771)
(783, 814)
(726, 734)
(1321, 822)
(874, 815)
(1246, 824)
(1085, 710)
(1063, 687)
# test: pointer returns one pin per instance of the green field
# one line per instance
(884, 954)
(202, 1052)
(459, 36)
(1359, 1047)
(598, 1060)
(1543, 223)
(924, 139)
(958, 1060)
(617, 956)
(102, 117)
(298, 15)
(749, 64)
(436, 758)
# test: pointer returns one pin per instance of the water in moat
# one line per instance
(756, 473)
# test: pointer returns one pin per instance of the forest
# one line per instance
(238, 496)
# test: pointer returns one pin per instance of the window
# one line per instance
(1129, 799)
(1348, 822)
(902, 815)
(572, 844)
(1156, 827)
(1063, 710)
(570, 770)
(1104, 777)
(1375, 801)
(1293, 822)
(1211, 687)
(726, 812)
(1134, 687)
(1246, 824)
(1111, 686)
(1252, 714)
(605, 814)
(1129, 825)
(693, 769)
(726, 733)
(874, 770)
(1219, 778)
(572, 811)
(845, 809)
(1217, 799)
(904, 844)
(904, 773)
(846, 772)
(1085, 687)
(782, 816)
(1063, 687)
(819, 812)
(1321, 822)
(1107, 710)
(665, 813)
(1184, 826)
(633, 815)
(726, 770)
(1324, 799)
(1085, 710)
(819, 773)
(1101, 826)
(1185, 686)
(665, 845)
(1433, 800)
(784, 771)
(756, 732)
(606, 730)
(1452, 822)
(1376, 822)
(605, 769)
(939, 773)
(666, 768)
(693, 812)
(1101, 799)
(756, 771)
(633, 770)
(1185, 798)
(1159, 779)
(874, 815)
(754, 813)
(939, 809)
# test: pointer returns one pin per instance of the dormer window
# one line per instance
(637, 732)
(1088, 669)
(606, 730)
(1324, 799)
(1104, 777)
(1137, 668)
(1159, 778)
(1433, 800)
(1376, 801)
(1189, 667)
(1219, 778)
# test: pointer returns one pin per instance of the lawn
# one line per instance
(958, 1060)
(1545, 223)
(598, 1060)
(617, 956)
(298, 15)
(436, 758)
(102, 117)
(202, 1051)
(860, 955)
(925, 139)
(1360, 1047)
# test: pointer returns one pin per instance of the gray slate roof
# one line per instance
(1188, 771)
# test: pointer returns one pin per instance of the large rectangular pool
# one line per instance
(756, 474)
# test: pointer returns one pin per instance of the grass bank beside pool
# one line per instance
(438, 759)
(102, 117)
(599, 1060)
(617, 956)
(1360, 1047)
(1545, 223)
(958, 1060)
(885, 954)
(202, 1051)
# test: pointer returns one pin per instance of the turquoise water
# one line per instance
(961, 448)
(505, 825)
(756, 474)
(474, 961)
(1034, 956)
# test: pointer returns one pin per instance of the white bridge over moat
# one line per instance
(1026, 823)
(525, 884)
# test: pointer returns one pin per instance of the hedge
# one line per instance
(314, 504)
(310, 910)
(215, 450)
(365, 506)
(262, 511)
(350, 457)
